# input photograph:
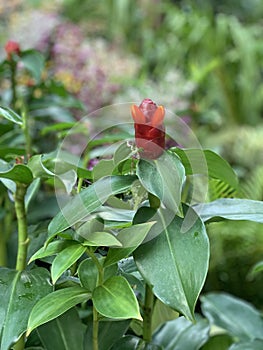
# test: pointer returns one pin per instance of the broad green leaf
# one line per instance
(115, 299)
(130, 238)
(31, 192)
(52, 249)
(252, 345)
(131, 342)
(178, 255)
(90, 226)
(122, 153)
(161, 314)
(18, 173)
(231, 209)
(55, 304)
(89, 200)
(103, 168)
(182, 334)
(19, 292)
(98, 238)
(11, 152)
(88, 273)
(10, 115)
(33, 61)
(65, 259)
(164, 178)
(218, 342)
(234, 315)
(109, 333)
(65, 332)
(206, 162)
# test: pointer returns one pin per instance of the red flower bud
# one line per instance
(149, 128)
(12, 47)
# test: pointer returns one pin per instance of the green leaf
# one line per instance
(103, 168)
(31, 192)
(66, 332)
(51, 249)
(97, 238)
(164, 178)
(234, 315)
(33, 61)
(178, 255)
(218, 342)
(206, 162)
(109, 333)
(10, 115)
(18, 173)
(231, 209)
(252, 345)
(122, 153)
(181, 334)
(258, 267)
(161, 314)
(65, 259)
(115, 299)
(19, 291)
(131, 342)
(55, 304)
(130, 239)
(89, 200)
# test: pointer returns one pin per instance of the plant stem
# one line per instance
(22, 226)
(13, 82)
(26, 129)
(95, 325)
(95, 330)
(147, 314)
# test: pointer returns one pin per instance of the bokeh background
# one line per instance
(202, 60)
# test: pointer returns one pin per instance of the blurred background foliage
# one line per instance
(202, 59)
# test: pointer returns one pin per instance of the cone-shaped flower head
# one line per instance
(12, 47)
(149, 128)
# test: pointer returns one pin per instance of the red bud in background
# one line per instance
(12, 47)
(149, 128)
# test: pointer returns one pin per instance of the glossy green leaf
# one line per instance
(161, 314)
(130, 238)
(103, 168)
(19, 292)
(65, 332)
(55, 304)
(206, 162)
(131, 342)
(88, 273)
(32, 192)
(252, 345)
(123, 152)
(115, 299)
(98, 238)
(65, 259)
(34, 61)
(10, 115)
(218, 342)
(182, 334)
(231, 209)
(164, 178)
(52, 249)
(89, 200)
(109, 333)
(18, 173)
(234, 315)
(179, 256)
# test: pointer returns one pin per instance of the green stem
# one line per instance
(13, 82)
(95, 329)
(26, 129)
(22, 226)
(147, 314)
